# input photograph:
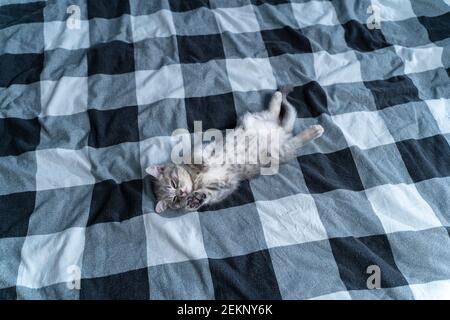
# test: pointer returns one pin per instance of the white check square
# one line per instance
(393, 10)
(158, 24)
(250, 74)
(57, 34)
(173, 240)
(363, 129)
(155, 85)
(290, 220)
(52, 258)
(440, 108)
(315, 12)
(420, 59)
(401, 208)
(60, 168)
(436, 290)
(66, 96)
(237, 20)
(337, 68)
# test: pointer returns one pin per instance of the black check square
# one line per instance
(239, 197)
(361, 38)
(113, 202)
(200, 48)
(310, 100)
(19, 135)
(438, 27)
(354, 255)
(183, 5)
(107, 9)
(285, 40)
(131, 285)
(15, 212)
(20, 13)
(8, 293)
(393, 91)
(330, 171)
(426, 158)
(110, 127)
(217, 112)
(20, 68)
(272, 2)
(249, 276)
(114, 57)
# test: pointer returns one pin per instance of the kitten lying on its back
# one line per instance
(191, 186)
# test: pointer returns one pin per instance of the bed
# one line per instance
(91, 92)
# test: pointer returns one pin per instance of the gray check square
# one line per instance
(301, 70)
(107, 30)
(114, 247)
(9, 166)
(61, 209)
(399, 33)
(330, 38)
(196, 22)
(153, 53)
(21, 101)
(111, 91)
(288, 181)
(243, 45)
(74, 62)
(380, 64)
(347, 213)
(11, 248)
(412, 120)
(270, 17)
(189, 280)
(118, 162)
(30, 37)
(161, 118)
(435, 193)
(393, 171)
(68, 132)
(233, 231)
(431, 84)
(301, 283)
(211, 71)
(429, 246)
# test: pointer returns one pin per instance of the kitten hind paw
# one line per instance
(316, 131)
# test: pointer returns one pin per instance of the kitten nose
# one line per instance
(182, 193)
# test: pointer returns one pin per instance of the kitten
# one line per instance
(191, 186)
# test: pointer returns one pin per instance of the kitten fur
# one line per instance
(191, 186)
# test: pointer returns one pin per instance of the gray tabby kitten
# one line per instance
(191, 186)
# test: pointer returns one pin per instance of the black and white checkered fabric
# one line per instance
(87, 104)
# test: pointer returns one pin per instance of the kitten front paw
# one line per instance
(195, 200)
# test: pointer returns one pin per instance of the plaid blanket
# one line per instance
(91, 91)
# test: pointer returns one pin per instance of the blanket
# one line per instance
(91, 92)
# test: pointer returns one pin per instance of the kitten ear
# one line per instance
(161, 206)
(155, 171)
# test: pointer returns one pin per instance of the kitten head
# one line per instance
(171, 185)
